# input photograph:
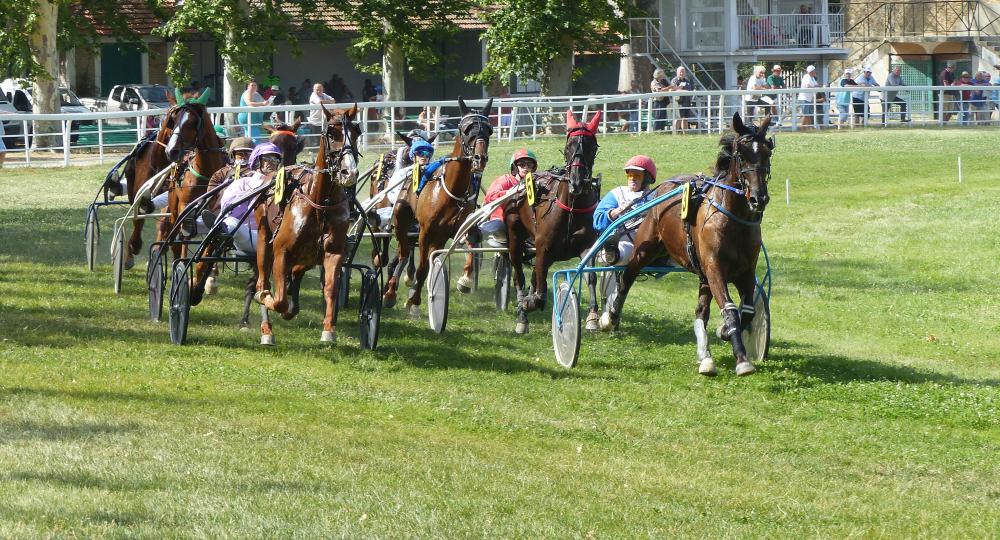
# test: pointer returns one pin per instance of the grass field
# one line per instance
(877, 414)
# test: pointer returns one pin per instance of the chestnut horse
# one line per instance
(286, 137)
(720, 245)
(445, 200)
(150, 159)
(561, 222)
(309, 226)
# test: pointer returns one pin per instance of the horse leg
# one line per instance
(425, 247)
(251, 288)
(402, 223)
(211, 285)
(266, 332)
(134, 244)
(332, 267)
(514, 246)
(536, 298)
(265, 257)
(293, 293)
(730, 319)
(644, 254)
(706, 364)
(411, 270)
(593, 315)
(277, 300)
(464, 282)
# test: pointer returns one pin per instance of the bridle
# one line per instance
(737, 172)
(473, 128)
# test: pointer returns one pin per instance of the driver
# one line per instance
(265, 159)
(420, 154)
(522, 162)
(640, 172)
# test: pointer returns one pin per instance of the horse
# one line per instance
(308, 225)
(445, 200)
(561, 221)
(720, 244)
(149, 159)
(286, 137)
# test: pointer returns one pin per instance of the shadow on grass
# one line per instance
(55, 236)
(31, 430)
(96, 395)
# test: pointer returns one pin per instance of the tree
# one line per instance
(536, 39)
(407, 33)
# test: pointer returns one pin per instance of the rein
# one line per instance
(589, 210)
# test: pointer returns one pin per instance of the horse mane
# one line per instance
(725, 158)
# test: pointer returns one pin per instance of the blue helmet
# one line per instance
(420, 144)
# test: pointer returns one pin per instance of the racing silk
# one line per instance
(498, 189)
(238, 189)
(616, 198)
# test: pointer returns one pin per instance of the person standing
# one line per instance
(755, 101)
(250, 98)
(316, 117)
(860, 97)
(892, 96)
(775, 81)
(948, 97)
(685, 112)
(660, 104)
(807, 100)
(844, 97)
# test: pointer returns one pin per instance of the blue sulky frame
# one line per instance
(567, 286)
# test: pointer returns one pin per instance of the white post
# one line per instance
(940, 107)
(604, 118)
(27, 144)
(960, 168)
(788, 195)
(100, 140)
(66, 126)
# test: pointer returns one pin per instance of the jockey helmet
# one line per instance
(240, 143)
(261, 150)
(643, 163)
(522, 153)
(420, 145)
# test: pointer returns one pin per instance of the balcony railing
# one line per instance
(791, 31)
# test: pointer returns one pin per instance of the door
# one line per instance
(706, 22)
(120, 64)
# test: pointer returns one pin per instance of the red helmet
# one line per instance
(642, 163)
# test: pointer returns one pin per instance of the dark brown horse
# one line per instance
(286, 137)
(150, 159)
(561, 222)
(309, 225)
(445, 200)
(721, 244)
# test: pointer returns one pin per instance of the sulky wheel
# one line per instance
(156, 279)
(501, 285)
(344, 287)
(437, 295)
(758, 339)
(370, 310)
(118, 259)
(91, 237)
(566, 326)
(180, 302)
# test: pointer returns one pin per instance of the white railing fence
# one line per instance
(791, 31)
(99, 137)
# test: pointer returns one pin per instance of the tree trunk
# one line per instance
(394, 72)
(231, 90)
(558, 77)
(45, 93)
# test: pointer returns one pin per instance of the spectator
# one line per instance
(660, 104)
(305, 89)
(994, 94)
(807, 100)
(368, 91)
(844, 97)
(892, 96)
(316, 117)
(948, 97)
(965, 97)
(250, 98)
(754, 101)
(293, 96)
(980, 97)
(685, 112)
(859, 98)
(775, 81)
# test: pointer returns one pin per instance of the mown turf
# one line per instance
(877, 414)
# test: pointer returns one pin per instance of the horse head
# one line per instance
(581, 149)
(342, 134)
(286, 138)
(474, 131)
(191, 126)
(750, 165)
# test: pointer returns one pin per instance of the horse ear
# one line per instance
(300, 145)
(462, 106)
(738, 126)
(594, 122)
(267, 127)
(352, 112)
(326, 113)
(178, 96)
(402, 136)
(205, 96)
(431, 137)
(764, 124)
(571, 120)
(295, 126)
(486, 109)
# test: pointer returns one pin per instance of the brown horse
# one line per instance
(286, 137)
(561, 222)
(150, 159)
(309, 225)
(721, 244)
(445, 200)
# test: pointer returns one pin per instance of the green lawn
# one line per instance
(877, 414)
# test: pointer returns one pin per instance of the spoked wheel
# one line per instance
(91, 237)
(501, 285)
(609, 288)
(566, 326)
(156, 279)
(180, 302)
(370, 310)
(758, 339)
(437, 295)
(118, 259)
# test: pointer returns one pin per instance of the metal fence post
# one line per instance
(100, 141)
(66, 126)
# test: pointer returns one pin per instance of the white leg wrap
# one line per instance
(747, 308)
(701, 335)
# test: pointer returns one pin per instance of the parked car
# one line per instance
(137, 97)
(7, 108)
(18, 93)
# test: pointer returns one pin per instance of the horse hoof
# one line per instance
(261, 295)
(521, 328)
(128, 263)
(211, 287)
(267, 339)
(592, 321)
(464, 284)
(745, 368)
(414, 310)
(407, 280)
(244, 327)
(389, 301)
(377, 261)
(707, 367)
(328, 336)
(605, 323)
